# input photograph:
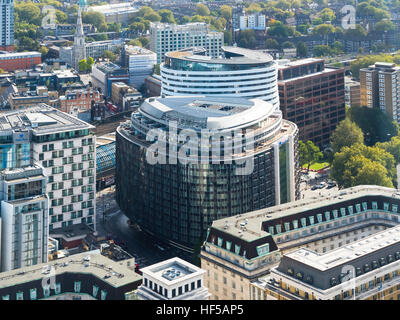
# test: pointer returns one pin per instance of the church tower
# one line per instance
(79, 50)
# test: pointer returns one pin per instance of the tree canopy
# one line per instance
(359, 164)
(346, 134)
(376, 125)
(308, 153)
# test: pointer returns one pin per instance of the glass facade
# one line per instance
(105, 157)
(179, 202)
(14, 155)
(284, 171)
(190, 65)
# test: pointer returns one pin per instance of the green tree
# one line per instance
(301, 49)
(44, 51)
(327, 14)
(82, 65)
(323, 29)
(303, 28)
(322, 50)
(28, 12)
(271, 44)
(287, 45)
(253, 8)
(114, 27)
(375, 124)
(278, 29)
(202, 10)
(109, 55)
(95, 18)
(392, 146)
(351, 165)
(227, 37)
(145, 41)
(61, 17)
(226, 12)
(308, 153)
(137, 27)
(346, 134)
(152, 16)
(358, 32)
(135, 42)
(384, 25)
(247, 39)
(166, 16)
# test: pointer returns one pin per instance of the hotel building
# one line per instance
(65, 147)
(177, 201)
(241, 73)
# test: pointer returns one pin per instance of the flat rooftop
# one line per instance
(254, 220)
(232, 55)
(19, 54)
(117, 8)
(135, 50)
(217, 113)
(355, 250)
(116, 274)
(41, 119)
(305, 76)
(172, 271)
(284, 64)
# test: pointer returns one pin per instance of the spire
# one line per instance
(79, 49)
(79, 25)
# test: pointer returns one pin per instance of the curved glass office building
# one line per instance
(183, 162)
(240, 72)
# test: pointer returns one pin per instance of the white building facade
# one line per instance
(24, 218)
(171, 37)
(241, 73)
(173, 279)
(140, 63)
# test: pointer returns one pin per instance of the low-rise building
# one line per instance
(79, 99)
(26, 99)
(19, 60)
(105, 73)
(83, 276)
(124, 95)
(117, 12)
(173, 279)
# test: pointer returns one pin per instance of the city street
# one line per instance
(308, 180)
(145, 248)
(139, 244)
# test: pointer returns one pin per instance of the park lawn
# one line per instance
(317, 165)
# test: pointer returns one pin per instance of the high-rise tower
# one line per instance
(79, 51)
(7, 25)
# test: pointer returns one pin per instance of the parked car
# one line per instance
(314, 187)
(331, 185)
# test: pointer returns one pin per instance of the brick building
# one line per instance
(81, 99)
(19, 60)
(312, 96)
